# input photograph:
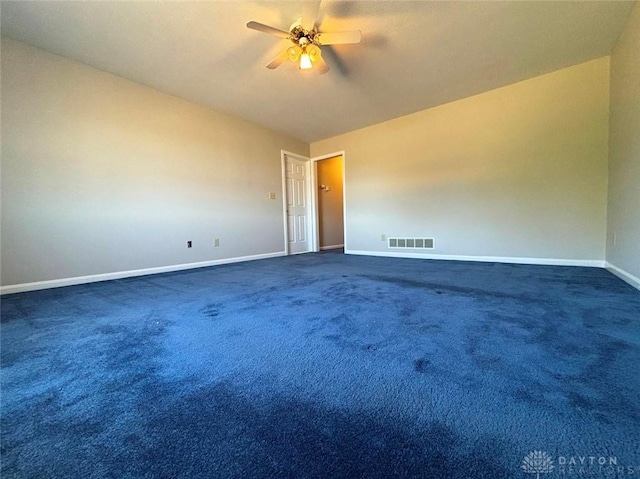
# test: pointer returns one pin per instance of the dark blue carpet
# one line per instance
(324, 366)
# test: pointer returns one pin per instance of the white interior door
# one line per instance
(297, 204)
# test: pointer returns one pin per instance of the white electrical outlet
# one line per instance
(216, 242)
(383, 237)
(272, 195)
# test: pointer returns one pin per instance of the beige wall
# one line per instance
(624, 152)
(100, 175)
(517, 172)
(330, 209)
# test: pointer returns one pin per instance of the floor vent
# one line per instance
(420, 243)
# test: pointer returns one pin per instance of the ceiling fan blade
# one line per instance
(339, 38)
(297, 23)
(321, 65)
(267, 29)
(316, 18)
(277, 61)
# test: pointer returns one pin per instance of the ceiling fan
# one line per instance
(306, 44)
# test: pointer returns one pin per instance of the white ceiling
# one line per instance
(414, 54)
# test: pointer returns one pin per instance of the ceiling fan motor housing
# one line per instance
(302, 37)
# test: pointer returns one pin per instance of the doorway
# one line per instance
(309, 204)
(329, 181)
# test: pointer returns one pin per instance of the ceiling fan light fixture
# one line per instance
(306, 44)
(305, 61)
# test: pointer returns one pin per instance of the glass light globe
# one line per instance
(293, 53)
(305, 61)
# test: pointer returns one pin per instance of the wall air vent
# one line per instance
(412, 243)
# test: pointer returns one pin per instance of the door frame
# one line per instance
(313, 231)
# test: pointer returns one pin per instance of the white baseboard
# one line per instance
(57, 283)
(623, 275)
(487, 259)
(334, 246)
